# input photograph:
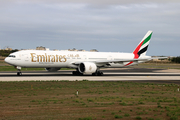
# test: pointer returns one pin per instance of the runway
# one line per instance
(123, 74)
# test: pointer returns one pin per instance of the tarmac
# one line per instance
(120, 74)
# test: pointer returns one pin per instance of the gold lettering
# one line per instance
(77, 55)
(64, 58)
(49, 56)
(60, 57)
(53, 58)
(70, 55)
(40, 57)
(46, 57)
(56, 58)
(32, 57)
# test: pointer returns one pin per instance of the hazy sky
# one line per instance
(105, 25)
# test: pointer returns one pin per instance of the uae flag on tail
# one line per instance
(142, 47)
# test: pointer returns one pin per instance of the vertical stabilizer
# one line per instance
(142, 47)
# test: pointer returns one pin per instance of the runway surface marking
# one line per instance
(109, 75)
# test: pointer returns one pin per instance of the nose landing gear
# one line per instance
(19, 71)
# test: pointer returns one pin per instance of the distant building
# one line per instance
(8, 48)
(40, 48)
(93, 50)
(72, 49)
(82, 50)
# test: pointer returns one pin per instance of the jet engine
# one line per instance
(87, 67)
(52, 69)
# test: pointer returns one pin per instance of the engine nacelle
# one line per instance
(87, 67)
(52, 69)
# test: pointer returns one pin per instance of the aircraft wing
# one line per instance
(129, 60)
(121, 60)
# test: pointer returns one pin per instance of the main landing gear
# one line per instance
(97, 73)
(19, 73)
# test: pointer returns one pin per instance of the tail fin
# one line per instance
(142, 47)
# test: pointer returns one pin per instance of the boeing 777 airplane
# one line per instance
(83, 62)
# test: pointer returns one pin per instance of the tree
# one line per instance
(5, 53)
(175, 59)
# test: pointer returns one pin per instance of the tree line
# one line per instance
(175, 59)
(5, 53)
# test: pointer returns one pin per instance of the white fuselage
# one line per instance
(67, 59)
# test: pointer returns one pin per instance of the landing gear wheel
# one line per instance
(19, 73)
(18, 70)
(98, 73)
(94, 74)
(74, 72)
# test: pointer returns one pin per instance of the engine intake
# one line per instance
(87, 67)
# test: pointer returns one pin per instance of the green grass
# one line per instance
(11, 68)
(41, 100)
(157, 65)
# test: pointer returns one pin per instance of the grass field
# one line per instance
(158, 65)
(53, 100)
(11, 68)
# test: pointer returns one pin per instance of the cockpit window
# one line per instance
(12, 56)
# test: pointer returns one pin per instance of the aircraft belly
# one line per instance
(42, 64)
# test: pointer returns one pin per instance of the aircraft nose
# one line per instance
(6, 60)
